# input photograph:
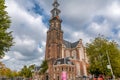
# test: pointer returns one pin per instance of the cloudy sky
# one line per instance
(82, 19)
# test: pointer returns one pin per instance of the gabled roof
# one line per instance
(63, 61)
(69, 44)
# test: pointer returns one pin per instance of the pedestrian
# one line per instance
(94, 78)
(100, 77)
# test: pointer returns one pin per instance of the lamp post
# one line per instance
(110, 65)
(0, 71)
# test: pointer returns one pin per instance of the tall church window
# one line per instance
(69, 68)
(54, 76)
(55, 68)
(67, 53)
(48, 55)
(66, 69)
(72, 69)
(84, 69)
(62, 68)
(58, 78)
(70, 76)
(58, 35)
(81, 53)
(74, 54)
(78, 68)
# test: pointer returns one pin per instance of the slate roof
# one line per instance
(63, 61)
(37, 68)
(69, 44)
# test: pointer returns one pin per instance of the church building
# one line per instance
(64, 58)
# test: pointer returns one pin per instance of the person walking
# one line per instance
(100, 77)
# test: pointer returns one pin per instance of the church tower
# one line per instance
(54, 36)
(63, 56)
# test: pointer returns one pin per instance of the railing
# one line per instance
(83, 78)
(15, 78)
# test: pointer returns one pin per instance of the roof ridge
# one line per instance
(70, 44)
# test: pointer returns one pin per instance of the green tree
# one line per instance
(97, 52)
(4, 71)
(44, 67)
(5, 36)
(31, 67)
(14, 74)
(26, 72)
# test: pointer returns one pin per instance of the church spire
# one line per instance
(55, 11)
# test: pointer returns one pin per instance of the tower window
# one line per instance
(72, 69)
(69, 68)
(66, 69)
(55, 68)
(58, 69)
(62, 68)
(52, 24)
(58, 78)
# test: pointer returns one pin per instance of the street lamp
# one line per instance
(109, 66)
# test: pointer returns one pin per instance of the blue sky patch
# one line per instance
(99, 19)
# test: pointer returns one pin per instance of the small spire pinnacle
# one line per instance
(55, 4)
(55, 11)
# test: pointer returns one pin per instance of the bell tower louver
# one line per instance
(55, 11)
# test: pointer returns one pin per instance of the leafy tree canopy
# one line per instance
(4, 71)
(98, 52)
(25, 72)
(44, 67)
(5, 36)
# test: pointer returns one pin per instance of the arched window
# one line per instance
(57, 24)
(58, 77)
(52, 24)
(74, 54)
(67, 53)
(62, 68)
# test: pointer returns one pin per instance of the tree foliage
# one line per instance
(97, 52)
(25, 72)
(44, 67)
(5, 36)
(4, 71)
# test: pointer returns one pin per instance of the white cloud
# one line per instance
(114, 10)
(119, 34)
(18, 55)
(103, 28)
(6, 57)
(81, 35)
(25, 44)
(29, 30)
(111, 11)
